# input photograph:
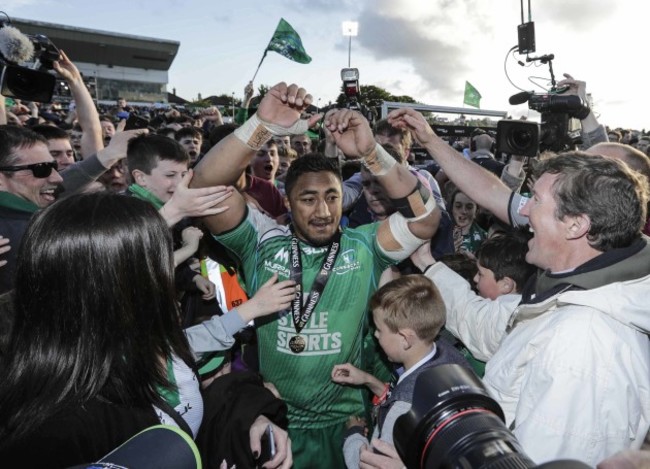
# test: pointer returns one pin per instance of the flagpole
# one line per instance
(258, 67)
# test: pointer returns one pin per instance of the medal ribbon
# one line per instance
(299, 313)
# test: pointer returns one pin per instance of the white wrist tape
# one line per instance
(378, 162)
(255, 132)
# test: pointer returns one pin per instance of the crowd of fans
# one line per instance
(234, 279)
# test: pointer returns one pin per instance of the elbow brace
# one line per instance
(255, 132)
(417, 205)
(396, 240)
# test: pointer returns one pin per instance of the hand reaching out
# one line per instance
(348, 374)
(272, 297)
(189, 202)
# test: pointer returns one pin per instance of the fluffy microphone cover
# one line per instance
(15, 46)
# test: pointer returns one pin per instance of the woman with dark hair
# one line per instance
(97, 353)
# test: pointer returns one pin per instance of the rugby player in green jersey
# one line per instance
(336, 270)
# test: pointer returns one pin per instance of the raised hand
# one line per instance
(66, 68)
(351, 132)
(414, 122)
(283, 104)
(575, 87)
(116, 149)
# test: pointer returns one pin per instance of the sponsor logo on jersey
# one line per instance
(314, 251)
(348, 262)
(281, 256)
(274, 267)
(320, 340)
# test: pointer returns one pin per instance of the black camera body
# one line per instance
(555, 133)
(34, 83)
(455, 424)
(351, 90)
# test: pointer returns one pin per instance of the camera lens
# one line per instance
(454, 424)
(521, 139)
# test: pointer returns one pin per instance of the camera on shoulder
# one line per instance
(33, 82)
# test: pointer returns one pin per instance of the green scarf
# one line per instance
(142, 193)
(15, 202)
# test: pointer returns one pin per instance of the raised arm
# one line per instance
(591, 131)
(91, 139)
(414, 202)
(277, 114)
(478, 183)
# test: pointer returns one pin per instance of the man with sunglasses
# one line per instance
(28, 182)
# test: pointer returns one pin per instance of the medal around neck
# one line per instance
(300, 314)
(297, 344)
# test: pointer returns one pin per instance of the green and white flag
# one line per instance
(472, 96)
(287, 42)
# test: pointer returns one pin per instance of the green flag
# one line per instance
(286, 41)
(472, 96)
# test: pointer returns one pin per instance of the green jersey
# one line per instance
(336, 329)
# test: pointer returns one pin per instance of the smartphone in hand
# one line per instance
(268, 446)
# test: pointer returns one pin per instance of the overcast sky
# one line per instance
(422, 48)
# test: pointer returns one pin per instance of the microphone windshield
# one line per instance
(15, 46)
(519, 98)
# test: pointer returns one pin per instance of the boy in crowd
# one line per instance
(158, 165)
(408, 313)
(191, 139)
(286, 156)
(502, 273)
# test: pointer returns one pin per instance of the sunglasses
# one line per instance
(39, 170)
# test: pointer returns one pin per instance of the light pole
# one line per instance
(233, 107)
(350, 28)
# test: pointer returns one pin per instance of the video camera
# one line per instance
(31, 83)
(454, 424)
(557, 131)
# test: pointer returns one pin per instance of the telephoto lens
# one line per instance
(454, 424)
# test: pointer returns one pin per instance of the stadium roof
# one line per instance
(105, 48)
